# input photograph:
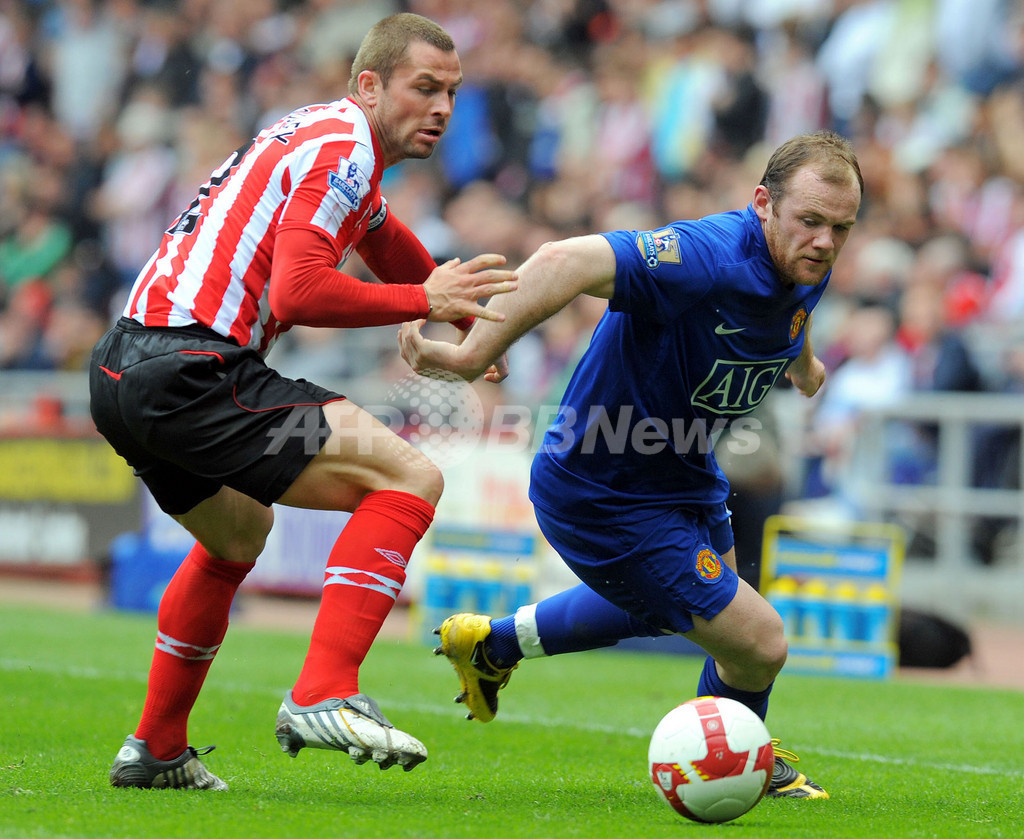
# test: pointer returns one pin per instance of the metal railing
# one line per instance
(942, 517)
(954, 509)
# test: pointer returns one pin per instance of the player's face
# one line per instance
(414, 109)
(807, 228)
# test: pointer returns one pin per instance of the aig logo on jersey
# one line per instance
(659, 246)
(737, 387)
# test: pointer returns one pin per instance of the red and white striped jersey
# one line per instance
(318, 168)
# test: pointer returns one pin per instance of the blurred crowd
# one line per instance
(576, 116)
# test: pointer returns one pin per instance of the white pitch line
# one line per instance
(908, 761)
(446, 710)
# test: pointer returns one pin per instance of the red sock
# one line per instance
(191, 623)
(365, 573)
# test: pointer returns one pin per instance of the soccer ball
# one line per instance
(711, 759)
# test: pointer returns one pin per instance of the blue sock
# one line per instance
(502, 645)
(568, 622)
(580, 619)
(711, 684)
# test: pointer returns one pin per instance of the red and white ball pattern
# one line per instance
(711, 759)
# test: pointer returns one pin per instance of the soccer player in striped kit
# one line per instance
(180, 388)
(704, 317)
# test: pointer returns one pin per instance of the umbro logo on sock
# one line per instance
(393, 557)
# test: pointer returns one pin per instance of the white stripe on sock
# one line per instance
(183, 649)
(339, 575)
(527, 633)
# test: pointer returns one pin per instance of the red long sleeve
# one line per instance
(395, 255)
(306, 289)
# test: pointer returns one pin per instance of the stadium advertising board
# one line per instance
(62, 501)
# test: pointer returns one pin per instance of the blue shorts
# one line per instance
(661, 570)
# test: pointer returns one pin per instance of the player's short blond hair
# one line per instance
(385, 46)
(829, 152)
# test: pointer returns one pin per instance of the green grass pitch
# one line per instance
(566, 756)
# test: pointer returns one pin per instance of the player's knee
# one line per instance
(415, 474)
(772, 649)
(767, 654)
(248, 536)
(424, 480)
(774, 655)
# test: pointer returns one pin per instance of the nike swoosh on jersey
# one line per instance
(722, 329)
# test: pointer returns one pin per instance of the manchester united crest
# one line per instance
(709, 565)
(795, 325)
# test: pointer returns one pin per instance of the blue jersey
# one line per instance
(699, 330)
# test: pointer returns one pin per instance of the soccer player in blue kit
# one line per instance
(704, 318)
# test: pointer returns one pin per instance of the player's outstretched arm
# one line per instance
(454, 288)
(556, 274)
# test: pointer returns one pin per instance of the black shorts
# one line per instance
(191, 411)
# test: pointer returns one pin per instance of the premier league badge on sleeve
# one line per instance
(667, 242)
(659, 247)
(349, 181)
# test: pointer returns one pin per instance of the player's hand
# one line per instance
(807, 378)
(454, 289)
(498, 371)
(424, 355)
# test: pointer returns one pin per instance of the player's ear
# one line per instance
(369, 86)
(762, 202)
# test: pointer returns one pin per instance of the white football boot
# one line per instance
(135, 766)
(354, 725)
